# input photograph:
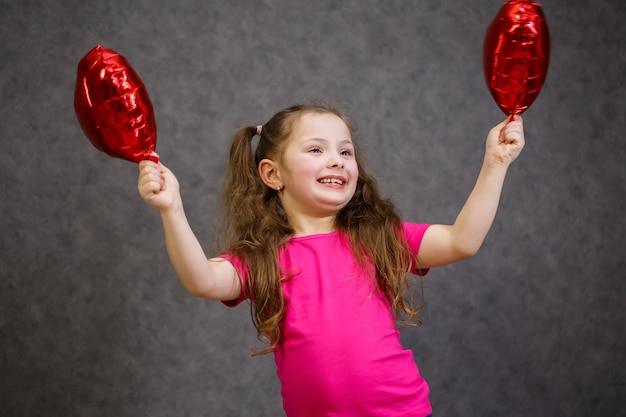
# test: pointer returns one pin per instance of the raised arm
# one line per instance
(207, 278)
(445, 244)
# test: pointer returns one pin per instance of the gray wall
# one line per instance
(92, 319)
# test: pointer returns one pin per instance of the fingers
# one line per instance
(513, 131)
(505, 141)
(147, 163)
(151, 180)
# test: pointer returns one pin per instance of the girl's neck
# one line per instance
(305, 226)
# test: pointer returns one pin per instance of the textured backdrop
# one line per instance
(93, 321)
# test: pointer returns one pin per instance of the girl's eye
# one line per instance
(316, 150)
(346, 153)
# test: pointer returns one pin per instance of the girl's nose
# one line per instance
(336, 161)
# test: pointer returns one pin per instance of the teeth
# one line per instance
(331, 181)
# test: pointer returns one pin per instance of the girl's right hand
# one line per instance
(158, 186)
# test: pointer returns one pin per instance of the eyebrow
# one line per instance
(316, 139)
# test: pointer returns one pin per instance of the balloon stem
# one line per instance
(154, 157)
(510, 118)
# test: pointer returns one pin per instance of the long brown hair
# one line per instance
(255, 226)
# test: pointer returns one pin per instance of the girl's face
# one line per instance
(319, 172)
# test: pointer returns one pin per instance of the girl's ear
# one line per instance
(270, 174)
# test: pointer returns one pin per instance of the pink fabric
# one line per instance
(340, 352)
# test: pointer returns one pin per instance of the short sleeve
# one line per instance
(414, 233)
(243, 278)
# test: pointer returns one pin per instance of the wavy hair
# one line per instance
(255, 226)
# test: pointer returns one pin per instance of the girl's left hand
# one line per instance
(505, 141)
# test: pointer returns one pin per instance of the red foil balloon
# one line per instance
(516, 53)
(113, 106)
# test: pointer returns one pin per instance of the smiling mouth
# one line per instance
(332, 181)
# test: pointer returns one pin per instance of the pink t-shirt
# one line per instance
(340, 353)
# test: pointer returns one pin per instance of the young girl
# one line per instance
(324, 258)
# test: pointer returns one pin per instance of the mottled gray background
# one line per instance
(93, 321)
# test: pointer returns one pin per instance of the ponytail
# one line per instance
(254, 227)
(242, 172)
